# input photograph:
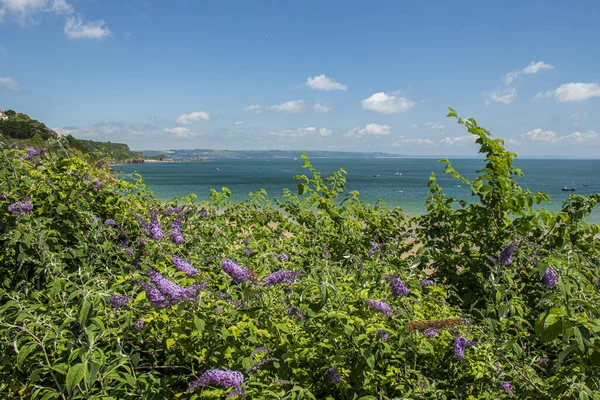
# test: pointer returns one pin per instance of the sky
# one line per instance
(307, 75)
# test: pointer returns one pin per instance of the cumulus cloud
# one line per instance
(302, 132)
(408, 141)
(387, 103)
(369, 129)
(179, 132)
(193, 117)
(433, 125)
(458, 140)
(76, 28)
(589, 137)
(570, 92)
(290, 107)
(9, 83)
(322, 82)
(254, 107)
(505, 96)
(540, 135)
(323, 108)
(532, 68)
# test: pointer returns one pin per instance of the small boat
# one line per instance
(397, 171)
(376, 175)
(568, 188)
(218, 169)
(458, 186)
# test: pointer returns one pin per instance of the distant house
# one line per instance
(2, 115)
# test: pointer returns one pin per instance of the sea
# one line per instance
(397, 181)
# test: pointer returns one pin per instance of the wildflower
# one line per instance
(238, 273)
(139, 324)
(153, 227)
(259, 350)
(97, 184)
(246, 240)
(398, 287)
(176, 235)
(94, 220)
(384, 308)
(15, 144)
(20, 207)
(501, 374)
(31, 153)
(375, 248)
(543, 362)
(118, 301)
(183, 266)
(155, 298)
(430, 332)
(506, 254)
(427, 282)
(173, 210)
(218, 377)
(333, 375)
(110, 223)
(506, 386)
(281, 276)
(171, 290)
(2, 196)
(204, 213)
(550, 278)
(383, 335)
(460, 344)
(282, 257)
(247, 252)
(128, 251)
(293, 311)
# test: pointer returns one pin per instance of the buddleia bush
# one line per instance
(108, 293)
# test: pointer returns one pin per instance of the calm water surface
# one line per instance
(373, 178)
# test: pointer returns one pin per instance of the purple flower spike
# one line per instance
(293, 311)
(176, 235)
(139, 324)
(282, 276)
(550, 278)
(20, 207)
(506, 255)
(204, 213)
(238, 273)
(375, 248)
(430, 332)
(248, 252)
(155, 298)
(333, 375)
(398, 287)
(246, 240)
(2, 196)
(218, 377)
(97, 184)
(172, 210)
(383, 335)
(183, 266)
(153, 228)
(460, 344)
(427, 282)
(283, 257)
(118, 301)
(110, 223)
(382, 307)
(506, 386)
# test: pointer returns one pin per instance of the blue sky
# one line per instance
(329, 75)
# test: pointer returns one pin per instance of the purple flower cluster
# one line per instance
(2, 196)
(164, 292)
(204, 213)
(550, 278)
(172, 210)
(15, 144)
(155, 298)
(427, 282)
(183, 266)
(383, 335)
(176, 235)
(430, 332)
(32, 153)
(375, 247)
(97, 184)
(506, 255)
(506, 386)
(139, 324)
(333, 375)
(460, 344)
(543, 362)
(128, 251)
(118, 301)
(246, 240)
(20, 207)
(281, 276)
(94, 220)
(398, 287)
(238, 273)
(248, 252)
(218, 377)
(294, 312)
(153, 228)
(382, 307)
(283, 257)
(110, 223)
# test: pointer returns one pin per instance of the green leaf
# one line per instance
(24, 352)
(74, 376)
(170, 342)
(84, 313)
(199, 324)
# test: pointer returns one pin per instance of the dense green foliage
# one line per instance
(28, 132)
(87, 237)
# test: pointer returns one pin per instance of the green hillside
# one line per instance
(28, 132)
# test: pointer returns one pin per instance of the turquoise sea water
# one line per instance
(373, 178)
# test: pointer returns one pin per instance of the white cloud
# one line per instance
(253, 107)
(9, 84)
(407, 141)
(179, 132)
(540, 135)
(290, 107)
(505, 96)
(322, 82)
(459, 140)
(75, 28)
(513, 142)
(323, 108)
(574, 91)
(302, 132)
(24, 10)
(239, 123)
(532, 68)
(589, 137)
(433, 125)
(369, 129)
(193, 117)
(387, 103)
